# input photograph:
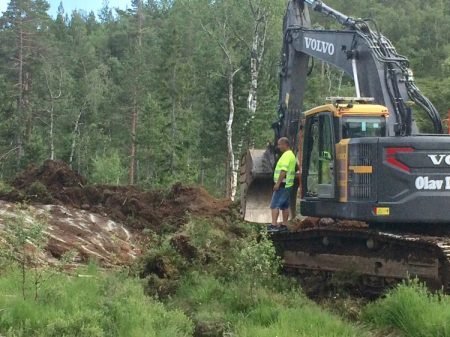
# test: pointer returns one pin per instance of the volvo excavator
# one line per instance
(360, 158)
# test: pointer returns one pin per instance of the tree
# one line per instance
(24, 26)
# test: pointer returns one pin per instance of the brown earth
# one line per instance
(55, 183)
(311, 222)
(104, 222)
(86, 235)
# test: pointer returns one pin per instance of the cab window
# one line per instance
(357, 127)
(318, 157)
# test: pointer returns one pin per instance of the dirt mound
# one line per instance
(55, 183)
(54, 174)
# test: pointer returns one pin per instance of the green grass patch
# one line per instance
(242, 309)
(94, 305)
(411, 309)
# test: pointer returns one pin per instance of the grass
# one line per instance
(226, 307)
(412, 310)
(94, 306)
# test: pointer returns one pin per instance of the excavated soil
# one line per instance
(56, 183)
(311, 222)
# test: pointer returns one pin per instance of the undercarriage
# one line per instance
(378, 259)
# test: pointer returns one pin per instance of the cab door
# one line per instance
(318, 157)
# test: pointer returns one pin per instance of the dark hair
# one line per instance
(284, 140)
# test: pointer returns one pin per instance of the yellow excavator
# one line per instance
(360, 158)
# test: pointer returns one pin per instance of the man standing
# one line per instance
(283, 177)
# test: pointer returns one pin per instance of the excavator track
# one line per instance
(379, 258)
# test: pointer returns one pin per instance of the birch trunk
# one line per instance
(233, 164)
(52, 143)
(256, 57)
(134, 117)
(75, 133)
(51, 111)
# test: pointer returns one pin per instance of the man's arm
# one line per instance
(280, 180)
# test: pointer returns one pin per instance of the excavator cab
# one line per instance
(325, 127)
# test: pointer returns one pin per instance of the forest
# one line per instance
(144, 96)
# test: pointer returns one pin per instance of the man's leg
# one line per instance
(285, 213)
(275, 214)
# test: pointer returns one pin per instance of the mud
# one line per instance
(56, 183)
(311, 222)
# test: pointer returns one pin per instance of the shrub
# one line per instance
(38, 191)
(258, 260)
(5, 188)
(412, 309)
(108, 169)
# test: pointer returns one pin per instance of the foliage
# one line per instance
(258, 260)
(412, 309)
(38, 191)
(25, 240)
(5, 188)
(108, 169)
(90, 305)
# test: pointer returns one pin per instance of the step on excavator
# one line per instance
(361, 160)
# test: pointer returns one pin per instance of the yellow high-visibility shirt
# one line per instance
(286, 163)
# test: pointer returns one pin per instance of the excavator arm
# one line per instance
(365, 55)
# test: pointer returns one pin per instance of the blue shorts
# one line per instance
(280, 198)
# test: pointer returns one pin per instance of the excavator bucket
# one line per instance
(256, 185)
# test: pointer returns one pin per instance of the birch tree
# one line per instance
(224, 36)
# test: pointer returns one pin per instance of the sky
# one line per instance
(70, 5)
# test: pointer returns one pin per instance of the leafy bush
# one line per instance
(258, 260)
(108, 169)
(38, 191)
(5, 188)
(412, 309)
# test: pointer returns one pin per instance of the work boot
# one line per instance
(272, 228)
(282, 228)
